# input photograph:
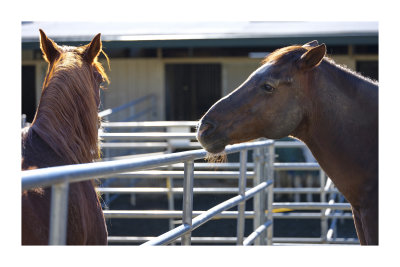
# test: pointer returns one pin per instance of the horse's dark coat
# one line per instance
(334, 111)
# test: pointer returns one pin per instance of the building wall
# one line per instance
(134, 78)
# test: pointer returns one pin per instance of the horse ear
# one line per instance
(312, 57)
(313, 43)
(93, 49)
(48, 47)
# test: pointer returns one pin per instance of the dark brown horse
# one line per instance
(65, 131)
(299, 92)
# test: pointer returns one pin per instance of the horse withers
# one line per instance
(65, 131)
(299, 92)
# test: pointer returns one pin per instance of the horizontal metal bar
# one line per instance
(200, 190)
(199, 240)
(280, 241)
(88, 171)
(206, 216)
(165, 214)
(313, 240)
(289, 144)
(146, 136)
(311, 215)
(279, 166)
(197, 190)
(177, 214)
(124, 145)
(252, 237)
(144, 124)
(189, 144)
(179, 174)
(301, 190)
(294, 166)
(148, 145)
(80, 172)
(311, 206)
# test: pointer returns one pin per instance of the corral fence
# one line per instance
(168, 136)
(60, 177)
(261, 171)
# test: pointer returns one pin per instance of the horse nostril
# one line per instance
(206, 127)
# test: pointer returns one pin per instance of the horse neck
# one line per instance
(341, 128)
(68, 122)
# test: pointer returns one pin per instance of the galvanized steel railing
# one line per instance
(60, 177)
(164, 141)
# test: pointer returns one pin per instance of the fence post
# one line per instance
(23, 120)
(170, 194)
(324, 220)
(187, 199)
(242, 191)
(259, 199)
(270, 176)
(59, 214)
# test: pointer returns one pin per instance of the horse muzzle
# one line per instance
(209, 138)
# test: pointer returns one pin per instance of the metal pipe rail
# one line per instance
(206, 216)
(60, 176)
(279, 241)
(149, 124)
(146, 136)
(201, 190)
(176, 214)
(87, 171)
(278, 166)
(166, 136)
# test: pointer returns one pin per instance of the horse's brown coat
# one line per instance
(301, 93)
(65, 131)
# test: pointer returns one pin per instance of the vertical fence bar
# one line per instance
(23, 120)
(242, 191)
(270, 176)
(59, 214)
(188, 200)
(259, 199)
(170, 194)
(324, 220)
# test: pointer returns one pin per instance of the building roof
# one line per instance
(165, 34)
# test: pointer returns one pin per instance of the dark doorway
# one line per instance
(191, 89)
(28, 92)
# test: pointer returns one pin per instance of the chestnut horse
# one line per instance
(301, 93)
(65, 131)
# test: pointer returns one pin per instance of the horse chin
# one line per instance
(215, 149)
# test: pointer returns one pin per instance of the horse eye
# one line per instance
(268, 88)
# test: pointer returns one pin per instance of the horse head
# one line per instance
(271, 103)
(67, 115)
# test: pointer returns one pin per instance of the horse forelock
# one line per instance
(283, 55)
(67, 116)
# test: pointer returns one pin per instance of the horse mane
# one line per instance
(291, 52)
(284, 53)
(67, 116)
